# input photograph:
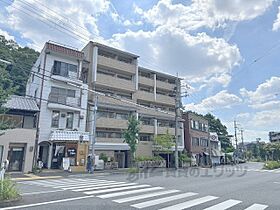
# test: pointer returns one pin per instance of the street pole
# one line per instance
(177, 110)
(93, 136)
(235, 134)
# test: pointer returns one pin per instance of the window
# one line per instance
(69, 120)
(101, 134)
(125, 77)
(147, 121)
(200, 126)
(56, 91)
(145, 137)
(196, 125)
(195, 142)
(55, 119)
(121, 116)
(62, 69)
(203, 142)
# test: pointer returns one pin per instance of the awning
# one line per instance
(60, 135)
(216, 153)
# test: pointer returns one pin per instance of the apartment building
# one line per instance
(197, 137)
(128, 89)
(17, 144)
(274, 137)
(57, 79)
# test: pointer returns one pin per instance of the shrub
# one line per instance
(103, 157)
(133, 170)
(270, 165)
(9, 190)
(145, 158)
(183, 158)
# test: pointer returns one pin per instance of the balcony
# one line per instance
(145, 96)
(115, 82)
(64, 103)
(146, 81)
(108, 140)
(147, 129)
(164, 99)
(163, 130)
(116, 64)
(165, 85)
(104, 122)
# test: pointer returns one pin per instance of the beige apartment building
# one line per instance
(128, 89)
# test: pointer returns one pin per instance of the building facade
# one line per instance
(56, 84)
(274, 137)
(197, 142)
(128, 89)
(217, 157)
(17, 142)
(71, 78)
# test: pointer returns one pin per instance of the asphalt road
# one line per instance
(230, 187)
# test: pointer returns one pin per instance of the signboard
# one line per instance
(66, 163)
(71, 152)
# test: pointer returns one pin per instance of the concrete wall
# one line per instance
(23, 136)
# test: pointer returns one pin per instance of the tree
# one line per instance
(131, 135)
(215, 125)
(164, 143)
(6, 89)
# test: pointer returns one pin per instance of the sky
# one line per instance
(225, 50)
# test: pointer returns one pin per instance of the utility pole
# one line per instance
(235, 134)
(177, 114)
(93, 135)
(242, 140)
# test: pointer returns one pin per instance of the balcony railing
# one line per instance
(63, 100)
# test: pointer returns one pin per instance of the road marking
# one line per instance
(46, 203)
(103, 187)
(83, 184)
(41, 192)
(257, 207)
(115, 189)
(149, 195)
(92, 185)
(224, 205)
(162, 200)
(110, 195)
(191, 203)
(276, 182)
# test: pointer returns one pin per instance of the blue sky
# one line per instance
(212, 44)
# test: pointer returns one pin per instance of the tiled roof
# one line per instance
(21, 103)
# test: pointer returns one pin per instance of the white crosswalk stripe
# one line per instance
(106, 189)
(256, 207)
(162, 200)
(224, 205)
(115, 189)
(190, 203)
(103, 187)
(150, 195)
(110, 195)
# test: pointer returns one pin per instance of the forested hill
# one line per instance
(22, 58)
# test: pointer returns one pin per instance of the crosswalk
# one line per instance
(141, 196)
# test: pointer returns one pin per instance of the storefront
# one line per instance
(69, 147)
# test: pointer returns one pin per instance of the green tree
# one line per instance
(164, 143)
(6, 89)
(215, 125)
(131, 135)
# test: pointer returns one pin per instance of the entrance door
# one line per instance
(16, 158)
(120, 158)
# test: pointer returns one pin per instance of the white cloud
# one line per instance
(195, 57)
(276, 24)
(80, 17)
(269, 90)
(203, 13)
(6, 35)
(222, 100)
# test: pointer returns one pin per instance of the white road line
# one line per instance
(104, 187)
(257, 207)
(149, 195)
(110, 195)
(82, 184)
(162, 200)
(59, 184)
(46, 203)
(224, 205)
(116, 189)
(276, 182)
(91, 185)
(51, 181)
(41, 192)
(191, 203)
